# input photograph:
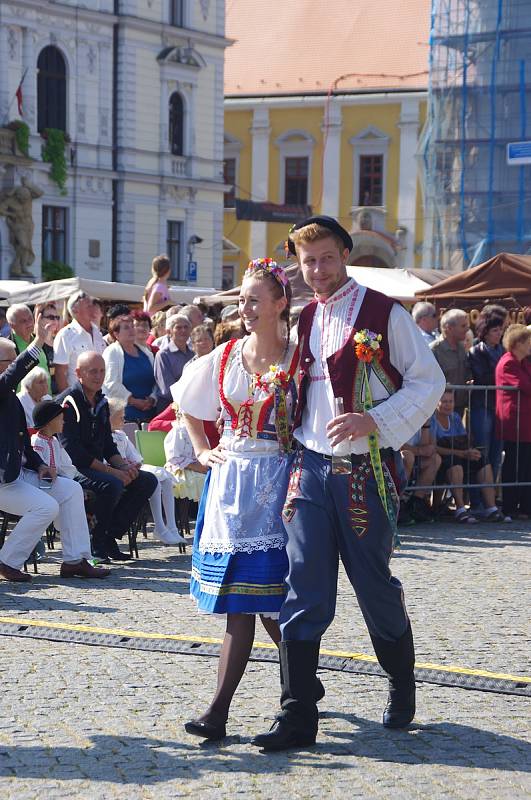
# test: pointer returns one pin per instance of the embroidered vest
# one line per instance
(343, 365)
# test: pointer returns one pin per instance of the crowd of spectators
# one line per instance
(110, 366)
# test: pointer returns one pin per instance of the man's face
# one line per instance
(196, 317)
(429, 321)
(91, 372)
(180, 333)
(23, 324)
(83, 311)
(97, 314)
(458, 329)
(7, 355)
(323, 266)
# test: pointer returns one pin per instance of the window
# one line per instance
(296, 181)
(174, 238)
(227, 278)
(176, 127)
(51, 90)
(229, 177)
(177, 13)
(54, 233)
(371, 183)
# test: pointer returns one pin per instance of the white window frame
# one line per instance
(302, 147)
(369, 142)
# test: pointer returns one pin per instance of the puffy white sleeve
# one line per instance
(403, 413)
(197, 391)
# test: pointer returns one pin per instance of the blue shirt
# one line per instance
(139, 379)
(455, 427)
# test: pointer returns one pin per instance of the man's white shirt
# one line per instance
(398, 416)
(73, 340)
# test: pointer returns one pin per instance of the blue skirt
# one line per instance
(237, 583)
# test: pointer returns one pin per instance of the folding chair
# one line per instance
(150, 445)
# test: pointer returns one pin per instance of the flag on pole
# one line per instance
(18, 95)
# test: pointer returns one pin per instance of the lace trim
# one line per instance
(270, 543)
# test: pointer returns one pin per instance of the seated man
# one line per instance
(120, 488)
(28, 487)
(421, 446)
(461, 463)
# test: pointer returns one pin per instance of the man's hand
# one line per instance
(47, 472)
(121, 474)
(210, 457)
(350, 426)
(43, 330)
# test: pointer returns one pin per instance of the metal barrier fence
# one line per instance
(474, 413)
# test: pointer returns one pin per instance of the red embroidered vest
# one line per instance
(343, 365)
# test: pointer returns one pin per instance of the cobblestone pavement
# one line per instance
(80, 721)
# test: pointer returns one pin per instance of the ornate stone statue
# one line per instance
(16, 207)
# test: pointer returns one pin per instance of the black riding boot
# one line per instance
(397, 659)
(296, 724)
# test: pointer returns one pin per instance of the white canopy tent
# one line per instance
(397, 283)
(109, 291)
(8, 288)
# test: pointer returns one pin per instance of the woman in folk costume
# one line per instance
(239, 560)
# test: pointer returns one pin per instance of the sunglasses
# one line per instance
(55, 317)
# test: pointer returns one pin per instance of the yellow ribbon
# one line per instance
(376, 462)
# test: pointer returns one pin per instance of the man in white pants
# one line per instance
(29, 488)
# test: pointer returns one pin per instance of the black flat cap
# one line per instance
(325, 222)
(45, 411)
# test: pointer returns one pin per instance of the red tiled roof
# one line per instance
(291, 47)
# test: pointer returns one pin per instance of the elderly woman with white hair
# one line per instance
(169, 362)
(33, 389)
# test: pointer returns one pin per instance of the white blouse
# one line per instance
(197, 394)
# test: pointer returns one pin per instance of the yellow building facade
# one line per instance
(351, 155)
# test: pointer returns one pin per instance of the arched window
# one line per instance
(51, 90)
(176, 124)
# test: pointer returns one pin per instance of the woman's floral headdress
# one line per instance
(268, 265)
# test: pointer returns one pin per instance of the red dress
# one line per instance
(512, 372)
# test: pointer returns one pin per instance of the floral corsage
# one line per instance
(274, 378)
(367, 345)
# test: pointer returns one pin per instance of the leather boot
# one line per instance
(296, 724)
(319, 690)
(397, 659)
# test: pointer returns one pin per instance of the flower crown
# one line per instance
(268, 265)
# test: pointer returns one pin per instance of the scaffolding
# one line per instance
(476, 204)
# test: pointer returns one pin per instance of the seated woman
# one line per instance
(162, 497)
(34, 387)
(460, 462)
(129, 372)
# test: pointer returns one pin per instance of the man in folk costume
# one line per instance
(362, 348)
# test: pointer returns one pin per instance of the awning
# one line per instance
(103, 290)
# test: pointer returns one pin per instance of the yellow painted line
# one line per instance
(263, 645)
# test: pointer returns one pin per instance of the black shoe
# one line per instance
(113, 551)
(206, 730)
(405, 517)
(420, 510)
(283, 735)
(400, 708)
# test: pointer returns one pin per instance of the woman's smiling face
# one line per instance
(258, 308)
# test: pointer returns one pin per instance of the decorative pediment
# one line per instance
(183, 56)
(369, 135)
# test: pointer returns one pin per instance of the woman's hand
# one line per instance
(472, 454)
(195, 466)
(208, 458)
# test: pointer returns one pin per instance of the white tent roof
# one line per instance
(104, 290)
(9, 287)
(397, 283)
